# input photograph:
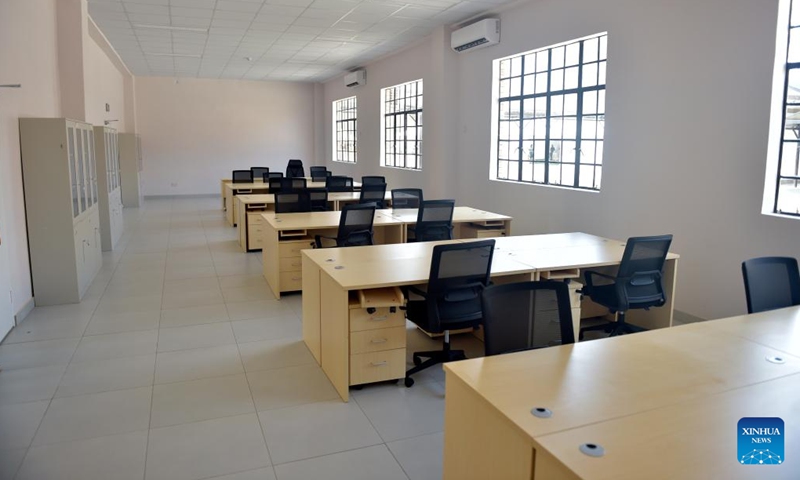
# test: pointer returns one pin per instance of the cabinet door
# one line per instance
(88, 165)
(81, 169)
(92, 165)
(73, 171)
(116, 161)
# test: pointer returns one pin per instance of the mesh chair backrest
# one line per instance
(771, 283)
(373, 180)
(526, 315)
(435, 220)
(319, 199)
(242, 176)
(275, 174)
(459, 273)
(639, 274)
(292, 202)
(339, 184)
(259, 172)
(297, 183)
(406, 197)
(355, 225)
(275, 184)
(318, 174)
(373, 193)
(295, 168)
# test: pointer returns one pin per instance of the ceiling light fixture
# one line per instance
(170, 27)
(185, 55)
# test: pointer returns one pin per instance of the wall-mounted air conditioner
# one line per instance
(356, 79)
(478, 35)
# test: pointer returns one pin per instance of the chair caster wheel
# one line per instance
(417, 361)
(409, 382)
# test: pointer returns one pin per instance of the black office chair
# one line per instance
(319, 199)
(373, 193)
(459, 273)
(406, 197)
(526, 315)
(292, 202)
(318, 174)
(339, 184)
(275, 185)
(355, 227)
(293, 184)
(771, 283)
(434, 221)
(295, 168)
(373, 180)
(242, 176)
(275, 175)
(637, 285)
(259, 172)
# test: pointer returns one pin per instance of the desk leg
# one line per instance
(507, 228)
(271, 261)
(479, 443)
(229, 206)
(660, 317)
(222, 185)
(311, 307)
(241, 224)
(335, 335)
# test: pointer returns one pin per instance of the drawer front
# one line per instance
(256, 242)
(291, 281)
(378, 340)
(377, 366)
(490, 233)
(255, 218)
(292, 249)
(361, 320)
(291, 264)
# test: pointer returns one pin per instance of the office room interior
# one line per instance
(161, 318)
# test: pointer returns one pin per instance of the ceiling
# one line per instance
(294, 40)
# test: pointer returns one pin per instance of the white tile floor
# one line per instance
(180, 364)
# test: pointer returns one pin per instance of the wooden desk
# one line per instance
(390, 227)
(230, 190)
(250, 207)
(643, 397)
(333, 277)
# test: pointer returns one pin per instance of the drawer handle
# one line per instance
(379, 364)
(297, 278)
(381, 318)
(379, 340)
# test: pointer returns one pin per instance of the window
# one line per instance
(549, 115)
(345, 127)
(787, 188)
(401, 126)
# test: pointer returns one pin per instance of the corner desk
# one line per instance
(286, 235)
(339, 284)
(249, 208)
(663, 404)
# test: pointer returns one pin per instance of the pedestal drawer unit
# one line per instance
(61, 206)
(377, 336)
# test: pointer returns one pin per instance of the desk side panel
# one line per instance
(270, 258)
(335, 334)
(311, 307)
(479, 443)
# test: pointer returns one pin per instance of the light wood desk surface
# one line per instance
(316, 220)
(460, 214)
(624, 393)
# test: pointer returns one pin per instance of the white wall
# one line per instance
(195, 132)
(105, 82)
(28, 55)
(437, 177)
(686, 132)
(686, 135)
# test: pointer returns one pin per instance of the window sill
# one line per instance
(556, 187)
(402, 168)
(781, 215)
(344, 162)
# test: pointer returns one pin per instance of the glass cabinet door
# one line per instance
(116, 160)
(109, 174)
(81, 170)
(92, 165)
(89, 193)
(73, 174)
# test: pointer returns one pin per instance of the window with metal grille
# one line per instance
(549, 115)
(401, 126)
(345, 130)
(787, 190)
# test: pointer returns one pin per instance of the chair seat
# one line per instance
(417, 312)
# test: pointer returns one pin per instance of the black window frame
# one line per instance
(345, 120)
(542, 151)
(789, 102)
(402, 105)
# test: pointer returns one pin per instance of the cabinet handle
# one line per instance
(380, 319)
(83, 250)
(379, 364)
(379, 340)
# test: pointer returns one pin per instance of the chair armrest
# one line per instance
(590, 273)
(417, 291)
(318, 240)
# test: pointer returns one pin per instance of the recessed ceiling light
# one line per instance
(170, 27)
(186, 55)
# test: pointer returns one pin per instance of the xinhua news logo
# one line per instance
(760, 441)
